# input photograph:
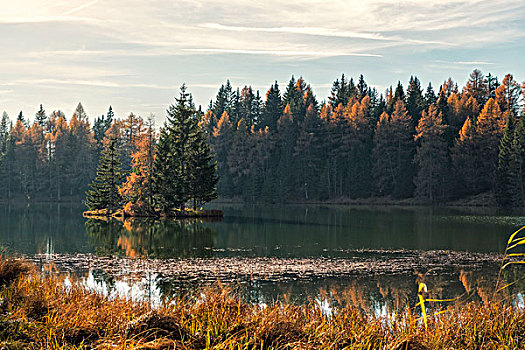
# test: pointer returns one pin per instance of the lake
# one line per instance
(373, 257)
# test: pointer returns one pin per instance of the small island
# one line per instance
(165, 175)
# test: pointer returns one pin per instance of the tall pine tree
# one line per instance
(104, 192)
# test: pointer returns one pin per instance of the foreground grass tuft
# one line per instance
(39, 312)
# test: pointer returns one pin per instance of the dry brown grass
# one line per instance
(11, 269)
(38, 312)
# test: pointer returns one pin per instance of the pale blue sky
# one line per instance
(135, 54)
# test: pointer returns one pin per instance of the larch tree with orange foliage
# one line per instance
(137, 191)
(222, 141)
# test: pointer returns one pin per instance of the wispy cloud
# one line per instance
(466, 63)
(319, 31)
(281, 52)
(45, 19)
(298, 30)
(470, 63)
(97, 83)
(55, 51)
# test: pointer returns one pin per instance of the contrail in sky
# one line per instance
(79, 8)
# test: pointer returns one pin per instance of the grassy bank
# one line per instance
(40, 312)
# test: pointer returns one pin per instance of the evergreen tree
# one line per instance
(502, 187)
(430, 96)
(239, 157)
(399, 94)
(101, 125)
(109, 118)
(362, 88)
(202, 171)
(166, 182)
(223, 100)
(516, 169)
(415, 102)
(286, 143)
(360, 164)
(182, 169)
(256, 110)
(507, 96)
(394, 152)
(273, 108)
(4, 131)
(40, 117)
(22, 119)
(492, 85)
(104, 192)
(307, 155)
(431, 156)
(99, 131)
(222, 141)
(340, 93)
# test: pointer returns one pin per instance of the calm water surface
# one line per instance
(274, 231)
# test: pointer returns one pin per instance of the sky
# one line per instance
(135, 54)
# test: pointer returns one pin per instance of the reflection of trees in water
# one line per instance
(153, 239)
(39, 228)
(308, 230)
(385, 293)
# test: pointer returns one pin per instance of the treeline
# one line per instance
(54, 158)
(413, 142)
(435, 144)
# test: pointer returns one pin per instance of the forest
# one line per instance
(435, 145)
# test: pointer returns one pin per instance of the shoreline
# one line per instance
(482, 201)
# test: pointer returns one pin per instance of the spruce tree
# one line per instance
(202, 171)
(4, 130)
(394, 152)
(340, 93)
(502, 187)
(431, 156)
(517, 165)
(40, 117)
(430, 96)
(22, 119)
(104, 192)
(222, 141)
(183, 168)
(273, 108)
(415, 102)
(166, 184)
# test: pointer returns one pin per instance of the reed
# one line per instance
(39, 312)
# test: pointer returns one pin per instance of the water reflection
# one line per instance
(381, 295)
(282, 231)
(278, 231)
(151, 239)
